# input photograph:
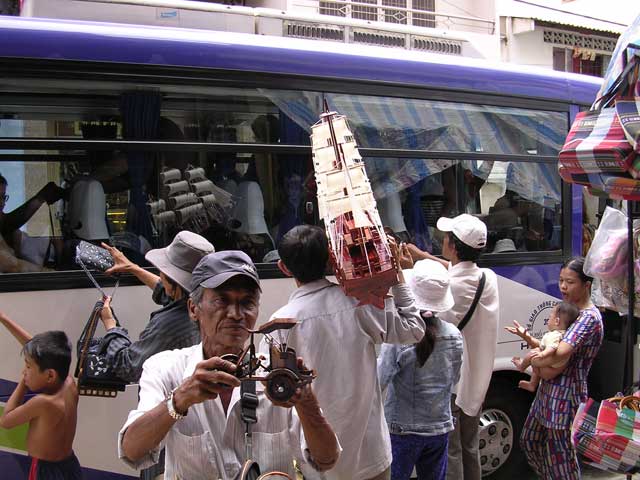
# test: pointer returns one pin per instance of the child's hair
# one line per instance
(424, 348)
(567, 313)
(50, 350)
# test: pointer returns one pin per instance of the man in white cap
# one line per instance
(464, 241)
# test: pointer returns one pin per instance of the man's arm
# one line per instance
(399, 322)
(123, 265)
(146, 432)
(15, 219)
(16, 330)
(16, 413)
(320, 437)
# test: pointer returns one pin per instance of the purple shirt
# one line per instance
(557, 399)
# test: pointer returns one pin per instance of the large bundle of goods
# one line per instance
(358, 245)
(607, 433)
(602, 150)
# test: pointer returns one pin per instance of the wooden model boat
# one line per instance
(358, 245)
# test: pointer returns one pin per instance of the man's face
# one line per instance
(3, 193)
(225, 314)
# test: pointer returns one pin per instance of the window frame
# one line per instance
(158, 75)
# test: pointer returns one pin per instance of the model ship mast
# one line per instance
(359, 248)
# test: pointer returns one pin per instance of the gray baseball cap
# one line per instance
(178, 260)
(216, 268)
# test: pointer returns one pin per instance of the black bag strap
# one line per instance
(474, 304)
(248, 407)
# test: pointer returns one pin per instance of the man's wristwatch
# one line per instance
(171, 407)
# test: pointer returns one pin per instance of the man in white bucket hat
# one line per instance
(168, 328)
(465, 238)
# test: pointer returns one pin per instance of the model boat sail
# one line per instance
(359, 249)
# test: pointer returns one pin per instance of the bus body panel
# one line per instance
(100, 42)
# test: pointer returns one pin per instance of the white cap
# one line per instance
(429, 283)
(469, 229)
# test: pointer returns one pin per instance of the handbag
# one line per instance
(93, 371)
(92, 257)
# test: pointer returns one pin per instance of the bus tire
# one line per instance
(503, 415)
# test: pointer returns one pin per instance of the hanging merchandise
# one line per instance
(607, 433)
(607, 256)
(607, 261)
(601, 151)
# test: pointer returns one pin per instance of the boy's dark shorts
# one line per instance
(67, 469)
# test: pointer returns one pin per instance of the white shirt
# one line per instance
(337, 337)
(207, 444)
(480, 335)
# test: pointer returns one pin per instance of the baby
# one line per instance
(561, 318)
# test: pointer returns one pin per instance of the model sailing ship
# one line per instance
(358, 245)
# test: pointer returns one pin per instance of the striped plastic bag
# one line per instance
(629, 115)
(597, 144)
(605, 436)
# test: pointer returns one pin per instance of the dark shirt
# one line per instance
(168, 328)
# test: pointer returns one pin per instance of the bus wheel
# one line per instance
(503, 415)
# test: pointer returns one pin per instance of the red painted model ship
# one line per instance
(358, 245)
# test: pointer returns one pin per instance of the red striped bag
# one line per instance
(597, 144)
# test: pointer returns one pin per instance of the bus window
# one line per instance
(518, 219)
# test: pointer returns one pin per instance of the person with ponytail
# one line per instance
(420, 379)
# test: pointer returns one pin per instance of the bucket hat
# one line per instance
(429, 283)
(178, 260)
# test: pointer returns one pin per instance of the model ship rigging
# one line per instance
(358, 245)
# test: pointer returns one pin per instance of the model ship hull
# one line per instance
(359, 249)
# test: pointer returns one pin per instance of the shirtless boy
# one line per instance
(52, 413)
(561, 318)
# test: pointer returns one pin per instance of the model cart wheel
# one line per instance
(281, 384)
(504, 413)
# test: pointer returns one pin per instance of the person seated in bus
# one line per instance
(10, 223)
(52, 412)
(420, 375)
(561, 318)
(546, 434)
(168, 328)
(338, 336)
(189, 400)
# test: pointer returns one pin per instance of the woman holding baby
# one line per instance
(546, 435)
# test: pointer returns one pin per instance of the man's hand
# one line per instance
(401, 254)
(51, 193)
(209, 379)
(121, 263)
(106, 315)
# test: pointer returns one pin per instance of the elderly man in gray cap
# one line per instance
(189, 402)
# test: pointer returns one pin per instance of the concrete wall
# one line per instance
(526, 48)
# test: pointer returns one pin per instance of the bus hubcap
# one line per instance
(496, 439)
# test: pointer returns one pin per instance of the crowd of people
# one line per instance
(365, 416)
